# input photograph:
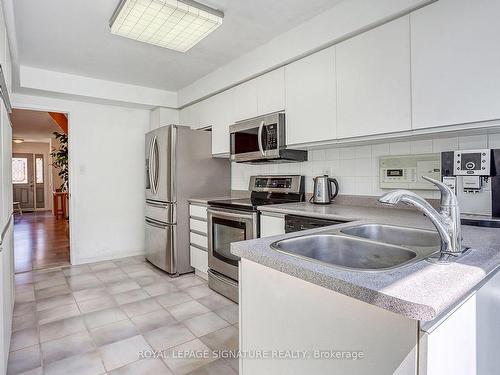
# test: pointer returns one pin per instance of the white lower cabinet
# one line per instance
(198, 238)
(271, 225)
(199, 259)
(467, 341)
(281, 312)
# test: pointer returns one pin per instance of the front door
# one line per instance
(22, 179)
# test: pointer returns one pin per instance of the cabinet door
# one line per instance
(451, 347)
(271, 92)
(221, 109)
(191, 116)
(245, 100)
(271, 226)
(455, 62)
(311, 98)
(373, 81)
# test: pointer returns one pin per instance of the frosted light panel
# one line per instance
(166, 23)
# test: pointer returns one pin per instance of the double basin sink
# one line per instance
(364, 247)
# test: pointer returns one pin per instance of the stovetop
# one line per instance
(248, 204)
(266, 190)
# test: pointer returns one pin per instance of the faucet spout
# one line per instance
(446, 220)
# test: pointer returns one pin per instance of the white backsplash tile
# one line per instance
(380, 150)
(399, 148)
(494, 140)
(356, 168)
(421, 147)
(332, 154)
(363, 152)
(445, 144)
(347, 153)
(473, 142)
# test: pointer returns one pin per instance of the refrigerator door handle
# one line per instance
(154, 154)
(157, 224)
(157, 204)
(150, 164)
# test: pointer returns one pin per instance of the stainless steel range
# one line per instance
(236, 220)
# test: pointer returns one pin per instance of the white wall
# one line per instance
(106, 165)
(356, 168)
(97, 89)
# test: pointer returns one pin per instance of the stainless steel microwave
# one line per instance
(262, 140)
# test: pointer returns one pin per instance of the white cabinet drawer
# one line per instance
(199, 259)
(199, 240)
(271, 225)
(198, 225)
(198, 211)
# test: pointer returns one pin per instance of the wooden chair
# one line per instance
(59, 204)
(19, 209)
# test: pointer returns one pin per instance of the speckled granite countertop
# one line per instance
(204, 201)
(420, 291)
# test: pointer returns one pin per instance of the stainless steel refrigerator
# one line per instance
(179, 166)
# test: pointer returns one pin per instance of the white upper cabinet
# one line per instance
(311, 98)
(191, 116)
(245, 100)
(271, 92)
(374, 81)
(220, 115)
(455, 62)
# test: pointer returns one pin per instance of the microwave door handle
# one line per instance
(261, 126)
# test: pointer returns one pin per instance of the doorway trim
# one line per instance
(34, 107)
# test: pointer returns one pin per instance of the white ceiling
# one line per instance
(73, 37)
(33, 126)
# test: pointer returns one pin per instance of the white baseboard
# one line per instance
(107, 256)
(201, 274)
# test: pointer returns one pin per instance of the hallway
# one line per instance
(40, 241)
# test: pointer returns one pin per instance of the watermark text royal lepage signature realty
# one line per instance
(348, 355)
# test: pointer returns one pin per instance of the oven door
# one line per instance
(225, 227)
(258, 139)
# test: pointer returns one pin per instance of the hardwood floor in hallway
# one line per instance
(40, 241)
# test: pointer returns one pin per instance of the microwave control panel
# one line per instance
(271, 137)
(406, 171)
(472, 163)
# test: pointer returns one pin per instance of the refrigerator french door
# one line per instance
(179, 166)
(160, 159)
(160, 219)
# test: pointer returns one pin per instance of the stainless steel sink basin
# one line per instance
(395, 235)
(346, 252)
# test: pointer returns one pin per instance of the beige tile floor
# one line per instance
(95, 319)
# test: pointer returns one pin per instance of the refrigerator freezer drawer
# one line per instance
(161, 211)
(160, 245)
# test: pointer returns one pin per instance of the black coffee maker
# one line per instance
(475, 167)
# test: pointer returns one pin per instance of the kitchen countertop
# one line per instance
(420, 291)
(204, 200)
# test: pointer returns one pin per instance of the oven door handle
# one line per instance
(261, 148)
(230, 214)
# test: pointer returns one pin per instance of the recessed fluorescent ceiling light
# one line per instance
(173, 24)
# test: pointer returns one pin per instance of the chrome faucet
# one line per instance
(446, 221)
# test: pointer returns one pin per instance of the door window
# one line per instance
(19, 170)
(39, 169)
